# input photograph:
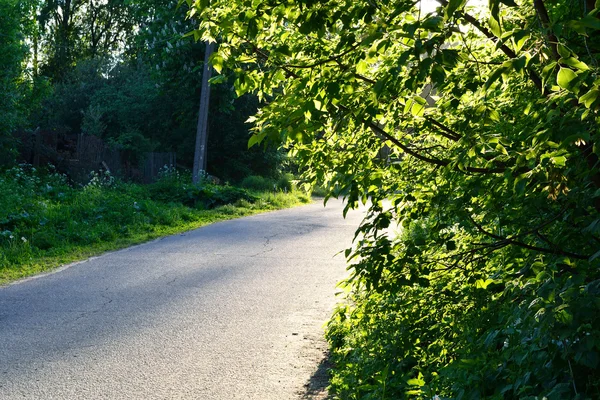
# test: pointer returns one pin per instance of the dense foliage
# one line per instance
(121, 71)
(10, 69)
(471, 134)
(45, 219)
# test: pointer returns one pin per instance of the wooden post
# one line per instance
(201, 129)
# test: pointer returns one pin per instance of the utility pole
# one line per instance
(202, 128)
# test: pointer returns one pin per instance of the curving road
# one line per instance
(232, 310)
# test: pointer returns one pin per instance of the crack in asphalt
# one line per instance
(265, 244)
(107, 301)
(172, 281)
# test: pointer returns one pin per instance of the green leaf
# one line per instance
(481, 284)
(495, 27)
(418, 106)
(559, 161)
(362, 67)
(255, 139)
(547, 72)
(589, 98)
(433, 23)
(595, 255)
(519, 63)
(562, 51)
(575, 63)
(494, 6)
(519, 39)
(216, 61)
(217, 79)
(319, 105)
(588, 22)
(419, 381)
(252, 29)
(452, 6)
(494, 76)
(565, 78)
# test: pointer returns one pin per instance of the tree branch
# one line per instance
(442, 163)
(542, 13)
(380, 131)
(447, 132)
(505, 49)
(321, 62)
(525, 245)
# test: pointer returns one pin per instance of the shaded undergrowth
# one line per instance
(45, 221)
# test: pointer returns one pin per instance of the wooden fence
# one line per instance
(78, 155)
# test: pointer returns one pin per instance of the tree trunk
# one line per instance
(202, 128)
(36, 38)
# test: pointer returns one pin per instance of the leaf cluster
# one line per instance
(471, 136)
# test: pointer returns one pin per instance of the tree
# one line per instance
(490, 116)
(13, 52)
(75, 30)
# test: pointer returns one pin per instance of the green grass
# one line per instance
(45, 222)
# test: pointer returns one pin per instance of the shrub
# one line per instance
(173, 187)
(255, 182)
(319, 191)
(286, 182)
(211, 196)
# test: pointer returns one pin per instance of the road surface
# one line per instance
(233, 310)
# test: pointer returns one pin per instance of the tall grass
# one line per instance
(46, 221)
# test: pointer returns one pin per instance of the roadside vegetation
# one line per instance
(45, 220)
(470, 130)
(116, 86)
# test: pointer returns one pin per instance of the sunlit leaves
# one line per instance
(590, 97)
(415, 106)
(453, 5)
(469, 141)
(565, 78)
(575, 63)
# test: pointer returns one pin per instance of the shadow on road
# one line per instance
(316, 387)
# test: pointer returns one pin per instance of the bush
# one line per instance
(319, 191)
(286, 182)
(173, 187)
(447, 336)
(255, 182)
(211, 196)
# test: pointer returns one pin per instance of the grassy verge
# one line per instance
(46, 222)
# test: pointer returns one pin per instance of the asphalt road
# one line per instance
(233, 310)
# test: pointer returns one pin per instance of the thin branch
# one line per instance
(485, 62)
(542, 13)
(435, 161)
(505, 49)
(321, 62)
(525, 245)
(446, 132)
